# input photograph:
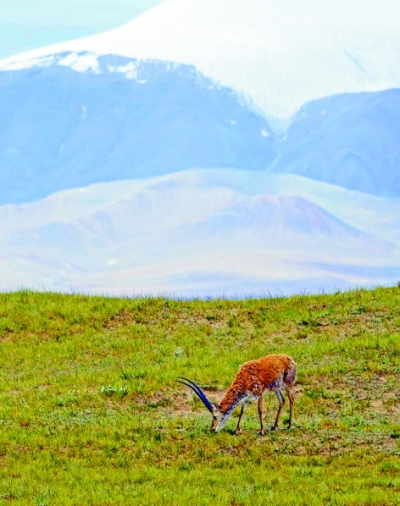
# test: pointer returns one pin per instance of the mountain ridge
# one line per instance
(63, 128)
(279, 56)
(60, 128)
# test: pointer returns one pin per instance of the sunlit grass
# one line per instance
(90, 412)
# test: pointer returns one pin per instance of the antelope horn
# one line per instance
(198, 391)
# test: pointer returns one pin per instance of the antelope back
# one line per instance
(271, 371)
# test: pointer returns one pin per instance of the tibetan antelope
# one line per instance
(273, 373)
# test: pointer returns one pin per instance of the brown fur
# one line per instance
(273, 373)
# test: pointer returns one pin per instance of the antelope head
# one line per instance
(219, 418)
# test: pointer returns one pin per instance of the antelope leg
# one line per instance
(281, 400)
(260, 414)
(291, 402)
(238, 430)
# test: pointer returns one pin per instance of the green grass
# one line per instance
(90, 413)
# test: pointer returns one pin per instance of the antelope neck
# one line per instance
(228, 404)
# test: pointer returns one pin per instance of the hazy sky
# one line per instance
(28, 24)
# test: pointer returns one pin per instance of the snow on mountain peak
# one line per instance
(279, 55)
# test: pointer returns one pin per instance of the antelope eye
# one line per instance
(215, 417)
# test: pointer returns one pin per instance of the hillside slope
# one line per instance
(92, 413)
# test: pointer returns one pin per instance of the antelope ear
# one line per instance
(215, 405)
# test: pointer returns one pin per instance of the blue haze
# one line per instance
(62, 129)
(350, 140)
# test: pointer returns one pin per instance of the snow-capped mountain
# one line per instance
(207, 148)
(279, 55)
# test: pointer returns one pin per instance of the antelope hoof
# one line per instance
(238, 432)
(274, 427)
(261, 433)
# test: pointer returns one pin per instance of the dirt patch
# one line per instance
(119, 320)
(188, 403)
(199, 320)
(15, 392)
(7, 337)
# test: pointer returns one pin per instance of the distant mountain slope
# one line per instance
(197, 232)
(347, 140)
(76, 120)
(122, 119)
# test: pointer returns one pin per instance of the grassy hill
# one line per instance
(90, 413)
